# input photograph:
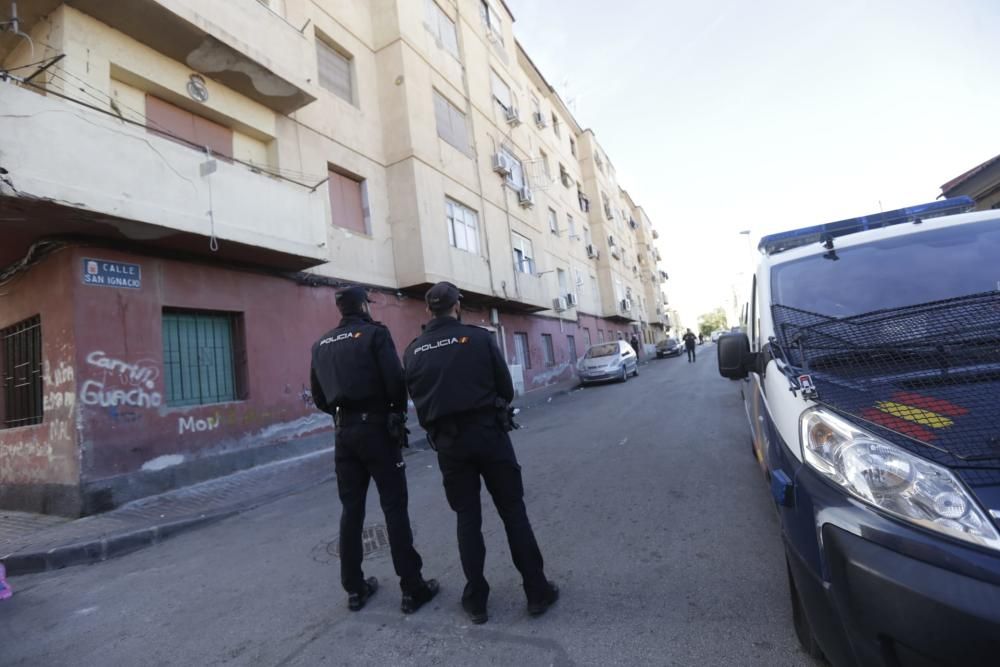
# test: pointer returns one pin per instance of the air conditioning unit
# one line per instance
(559, 304)
(615, 253)
(626, 305)
(501, 164)
(513, 116)
(572, 299)
(525, 197)
(592, 252)
(540, 120)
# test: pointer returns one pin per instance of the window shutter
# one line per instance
(334, 71)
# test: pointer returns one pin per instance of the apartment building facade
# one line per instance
(185, 184)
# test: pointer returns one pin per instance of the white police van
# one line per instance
(870, 372)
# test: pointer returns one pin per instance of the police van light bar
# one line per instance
(775, 243)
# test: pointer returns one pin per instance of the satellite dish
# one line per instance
(197, 88)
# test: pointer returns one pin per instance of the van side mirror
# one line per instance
(735, 358)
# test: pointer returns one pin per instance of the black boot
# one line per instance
(477, 613)
(417, 598)
(355, 601)
(539, 607)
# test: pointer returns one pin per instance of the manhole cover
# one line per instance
(374, 540)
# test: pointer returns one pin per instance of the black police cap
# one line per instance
(443, 295)
(351, 298)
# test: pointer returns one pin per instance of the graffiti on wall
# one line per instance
(193, 425)
(59, 387)
(120, 383)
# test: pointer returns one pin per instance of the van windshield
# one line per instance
(606, 350)
(931, 265)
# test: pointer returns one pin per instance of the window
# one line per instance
(492, 21)
(335, 71)
(463, 227)
(582, 199)
(555, 124)
(553, 222)
(548, 350)
(451, 124)
(442, 27)
(515, 178)
(501, 91)
(571, 345)
(564, 176)
(522, 355)
(586, 337)
(572, 146)
(348, 202)
(587, 240)
(21, 373)
(174, 123)
(571, 226)
(594, 288)
(563, 285)
(600, 335)
(546, 168)
(598, 161)
(201, 353)
(524, 256)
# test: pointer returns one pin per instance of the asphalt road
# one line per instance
(652, 516)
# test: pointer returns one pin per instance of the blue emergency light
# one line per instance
(775, 243)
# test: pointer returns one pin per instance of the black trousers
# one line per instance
(365, 452)
(691, 354)
(481, 450)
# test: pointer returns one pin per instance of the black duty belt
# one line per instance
(351, 418)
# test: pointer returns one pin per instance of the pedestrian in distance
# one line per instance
(462, 390)
(357, 377)
(689, 344)
(634, 342)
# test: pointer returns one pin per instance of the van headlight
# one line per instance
(892, 479)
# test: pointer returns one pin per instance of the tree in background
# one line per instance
(712, 321)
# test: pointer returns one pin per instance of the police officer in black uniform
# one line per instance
(356, 377)
(462, 390)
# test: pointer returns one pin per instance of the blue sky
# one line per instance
(730, 115)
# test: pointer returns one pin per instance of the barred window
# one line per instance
(203, 355)
(21, 372)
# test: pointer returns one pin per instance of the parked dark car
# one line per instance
(669, 347)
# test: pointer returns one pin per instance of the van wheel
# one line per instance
(803, 630)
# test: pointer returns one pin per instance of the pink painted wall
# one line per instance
(119, 328)
(44, 453)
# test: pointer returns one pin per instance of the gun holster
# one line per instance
(505, 416)
(396, 424)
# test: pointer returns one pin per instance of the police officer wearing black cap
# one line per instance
(356, 377)
(462, 390)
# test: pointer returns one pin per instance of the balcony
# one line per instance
(240, 43)
(83, 173)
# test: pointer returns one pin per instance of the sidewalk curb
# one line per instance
(128, 541)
